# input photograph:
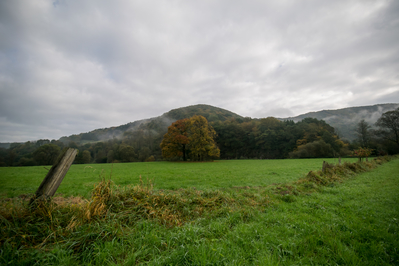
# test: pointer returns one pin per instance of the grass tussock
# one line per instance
(174, 208)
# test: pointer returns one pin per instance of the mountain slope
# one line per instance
(158, 124)
(345, 120)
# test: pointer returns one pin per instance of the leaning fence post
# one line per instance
(54, 177)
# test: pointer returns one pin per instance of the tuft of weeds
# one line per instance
(100, 199)
(174, 208)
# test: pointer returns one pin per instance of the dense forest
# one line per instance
(236, 137)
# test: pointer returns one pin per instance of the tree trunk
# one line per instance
(184, 152)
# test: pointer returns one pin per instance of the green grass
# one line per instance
(354, 222)
(80, 179)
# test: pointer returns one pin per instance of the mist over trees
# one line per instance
(382, 137)
(234, 136)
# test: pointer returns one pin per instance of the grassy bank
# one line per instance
(80, 179)
(325, 219)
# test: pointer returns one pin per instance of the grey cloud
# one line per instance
(72, 66)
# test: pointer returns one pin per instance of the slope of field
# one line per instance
(80, 179)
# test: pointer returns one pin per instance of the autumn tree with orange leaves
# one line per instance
(193, 137)
(175, 140)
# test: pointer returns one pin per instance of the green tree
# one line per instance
(42, 142)
(389, 126)
(11, 157)
(86, 157)
(127, 153)
(202, 139)
(230, 138)
(144, 153)
(315, 149)
(26, 162)
(73, 145)
(101, 157)
(3, 156)
(363, 133)
(46, 154)
(110, 156)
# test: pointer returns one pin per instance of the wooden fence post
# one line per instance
(323, 169)
(54, 177)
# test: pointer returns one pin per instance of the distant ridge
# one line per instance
(156, 124)
(345, 120)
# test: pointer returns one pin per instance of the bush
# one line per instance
(150, 159)
(27, 162)
(315, 149)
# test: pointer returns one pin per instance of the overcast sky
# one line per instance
(68, 67)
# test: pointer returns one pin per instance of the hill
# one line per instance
(156, 124)
(345, 120)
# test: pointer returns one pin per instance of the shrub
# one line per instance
(315, 149)
(150, 159)
(362, 153)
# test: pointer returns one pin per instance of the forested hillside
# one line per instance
(157, 125)
(136, 141)
(270, 138)
(345, 120)
(236, 137)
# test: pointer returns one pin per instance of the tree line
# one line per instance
(234, 138)
(270, 138)
(135, 146)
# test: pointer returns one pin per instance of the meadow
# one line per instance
(80, 179)
(348, 215)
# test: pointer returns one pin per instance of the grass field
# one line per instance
(80, 179)
(353, 220)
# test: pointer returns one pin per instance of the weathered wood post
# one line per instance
(54, 177)
(323, 169)
(339, 161)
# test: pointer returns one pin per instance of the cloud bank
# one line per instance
(68, 67)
